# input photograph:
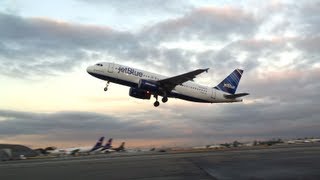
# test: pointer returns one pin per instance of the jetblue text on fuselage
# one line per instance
(130, 71)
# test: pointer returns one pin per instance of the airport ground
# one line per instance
(278, 162)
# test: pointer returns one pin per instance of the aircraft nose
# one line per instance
(89, 69)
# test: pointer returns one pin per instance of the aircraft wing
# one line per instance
(170, 83)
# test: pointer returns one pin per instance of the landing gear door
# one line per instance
(110, 67)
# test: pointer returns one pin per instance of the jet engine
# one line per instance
(139, 93)
(148, 85)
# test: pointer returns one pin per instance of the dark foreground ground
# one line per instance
(292, 162)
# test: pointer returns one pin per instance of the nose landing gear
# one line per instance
(106, 88)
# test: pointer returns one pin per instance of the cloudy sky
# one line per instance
(47, 97)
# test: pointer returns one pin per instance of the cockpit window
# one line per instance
(99, 64)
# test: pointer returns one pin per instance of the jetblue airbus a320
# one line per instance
(143, 84)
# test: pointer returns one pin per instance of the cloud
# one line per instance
(289, 86)
(144, 7)
(308, 16)
(15, 123)
(31, 46)
(34, 46)
(309, 45)
(39, 45)
(207, 24)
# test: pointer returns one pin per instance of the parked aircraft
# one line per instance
(75, 150)
(107, 147)
(143, 84)
(120, 148)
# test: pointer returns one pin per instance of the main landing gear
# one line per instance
(106, 88)
(165, 99)
(156, 103)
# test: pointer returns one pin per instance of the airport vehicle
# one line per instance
(76, 150)
(143, 84)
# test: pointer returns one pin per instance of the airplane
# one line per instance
(121, 148)
(107, 146)
(143, 84)
(76, 150)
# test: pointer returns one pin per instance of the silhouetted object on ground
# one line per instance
(16, 151)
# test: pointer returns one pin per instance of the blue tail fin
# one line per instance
(230, 83)
(98, 144)
(108, 145)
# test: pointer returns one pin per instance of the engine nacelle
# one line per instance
(139, 93)
(148, 85)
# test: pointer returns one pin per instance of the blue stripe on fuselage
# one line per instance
(131, 84)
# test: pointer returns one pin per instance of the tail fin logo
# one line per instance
(228, 85)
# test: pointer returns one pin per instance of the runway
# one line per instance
(292, 162)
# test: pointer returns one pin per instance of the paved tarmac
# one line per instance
(273, 163)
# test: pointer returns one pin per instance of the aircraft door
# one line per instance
(213, 94)
(110, 67)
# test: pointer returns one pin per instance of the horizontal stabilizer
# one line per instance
(234, 96)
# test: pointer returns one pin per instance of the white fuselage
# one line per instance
(68, 151)
(129, 76)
